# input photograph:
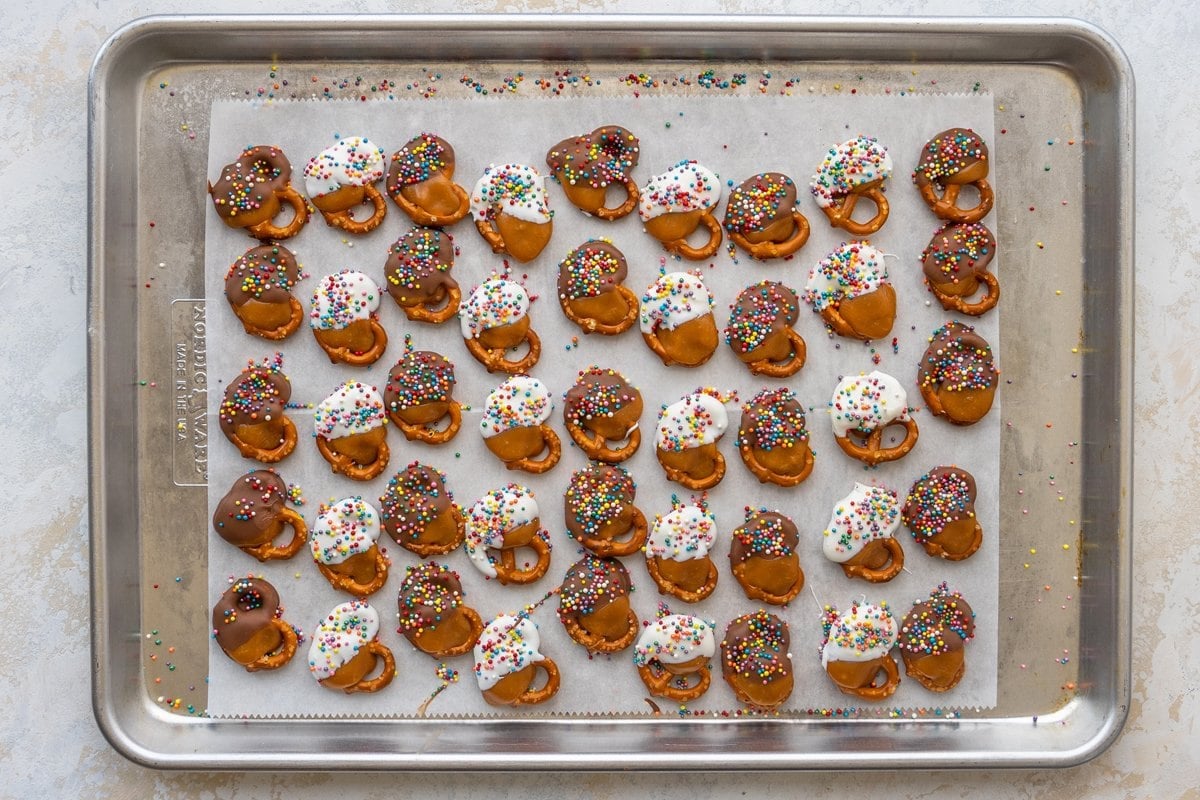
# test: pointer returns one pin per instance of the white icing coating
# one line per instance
(343, 298)
(694, 420)
(343, 529)
(338, 638)
(867, 402)
(850, 164)
(516, 189)
(352, 408)
(687, 186)
(493, 303)
(674, 639)
(673, 299)
(519, 402)
(493, 515)
(684, 534)
(508, 644)
(865, 633)
(353, 161)
(866, 514)
(853, 269)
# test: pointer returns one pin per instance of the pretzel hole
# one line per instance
(968, 196)
(894, 435)
(518, 352)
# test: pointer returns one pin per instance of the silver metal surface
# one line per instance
(1066, 360)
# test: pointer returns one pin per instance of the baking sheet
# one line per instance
(789, 134)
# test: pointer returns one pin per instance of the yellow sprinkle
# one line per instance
(1074, 349)
(1058, 292)
(837, 87)
(1033, 551)
(1026, 566)
(1001, 108)
(1066, 547)
(1041, 246)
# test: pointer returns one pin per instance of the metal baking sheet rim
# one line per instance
(148, 735)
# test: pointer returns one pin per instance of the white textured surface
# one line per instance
(49, 745)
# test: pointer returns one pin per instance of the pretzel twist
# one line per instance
(697, 484)
(507, 572)
(946, 206)
(345, 220)
(268, 551)
(344, 355)
(768, 250)
(889, 570)
(839, 212)
(494, 360)
(953, 302)
(427, 549)
(281, 656)
(873, 452)
(427, 433)
(626, 208)
(425, 219)
(267, 229)
(275, 454)
(476, 625)
(680, 247)
(788, 367)
(553, 447)
(757, 593)
(660, 683)
(346, 583)
(594, 642)
(533, 696)
(607, 548)
(344, 465)
(380, 650)
(765, 475)
(666, 586)
(423, 313)
(596, 446)
(880, 691)
(491, 235)
(590, 325)
(282, 332)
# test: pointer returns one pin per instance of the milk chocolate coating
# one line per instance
(243, 610)
(428, 593)
(592, 584)
(957, 251)
(958, 359)
(246, 184)
(949, 152)
(939, 497)
(597, 392)
(417, 160)
(418, 266)
(759, 201)
(250, 506)
(760, 312)
(773, 418)
(942, 624)
(767, 534)
(257, 393)
(591, 269)
(412, 499)
(602, 157)
(265, 273)
(596, 495)
(755, 648)
(419, 377)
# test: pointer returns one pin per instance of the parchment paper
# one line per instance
(736, 137)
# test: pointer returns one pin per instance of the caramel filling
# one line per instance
(777, 347)
(969, 405)
(688, 575)
(361, 448)
(451, 632)
(353, 671)
(775, 576)
(264, 316)
(610, 621)
(343, 199)
(434, 195)
(607, 308)
(676, 225)
(779, 230)
(517, 443)
(509, 689)
(522, 239)
(357, 337)
(265, 435)
(503, 337)
(871, 315)
(263, 641)
(696, 462)
(692, 343)
(784, 460)
(360, 566)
